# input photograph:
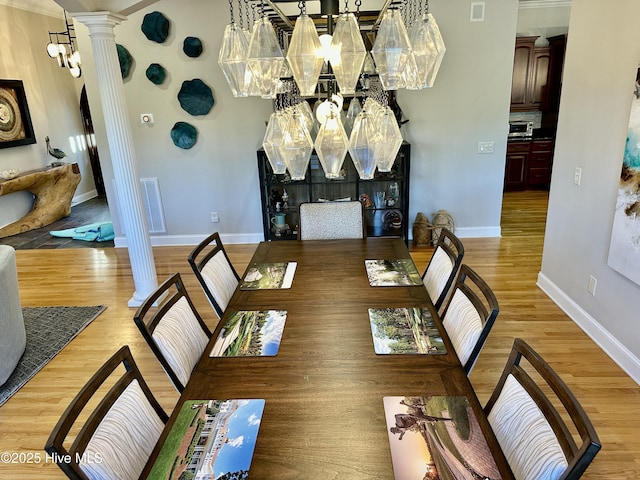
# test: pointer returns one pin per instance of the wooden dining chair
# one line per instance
(331, 220)
(469, 316)
(174, 330)
(443, 267)
(542, 429)
(214, 271)
(119, 434)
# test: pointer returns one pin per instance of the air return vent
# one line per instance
(152, 202)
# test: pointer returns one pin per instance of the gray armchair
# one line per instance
(13, 338)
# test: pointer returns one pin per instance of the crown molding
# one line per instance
(543, 3)
(43, 7)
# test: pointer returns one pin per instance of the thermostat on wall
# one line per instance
(146, 118)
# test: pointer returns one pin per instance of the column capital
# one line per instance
(99, 22)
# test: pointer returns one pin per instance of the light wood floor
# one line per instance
(510, 265)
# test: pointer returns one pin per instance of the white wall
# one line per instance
(469, 103)
(603, 54)
(53, 99)
(543, 21)
(220, 172)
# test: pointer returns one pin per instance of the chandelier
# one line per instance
(285, 59)
(65, 50)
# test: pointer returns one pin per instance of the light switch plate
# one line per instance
(485, 147)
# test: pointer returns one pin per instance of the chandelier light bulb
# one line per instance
(52, 50)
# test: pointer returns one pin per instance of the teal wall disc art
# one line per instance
(125, 59)
(192, 47)
(184, 135)
(195, 97)
(155, 27)
(156, 73)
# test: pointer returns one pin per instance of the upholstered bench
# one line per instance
(13, 338)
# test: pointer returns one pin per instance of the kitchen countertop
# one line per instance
(538, 134)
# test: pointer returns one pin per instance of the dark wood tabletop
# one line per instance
(323, 416)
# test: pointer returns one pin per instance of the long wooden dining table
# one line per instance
(323, 416)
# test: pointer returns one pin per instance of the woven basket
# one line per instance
(422, 231)
(441, 219)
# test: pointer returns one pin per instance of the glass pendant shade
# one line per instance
(349, 46)
(352, 112)
(391, 50)
(391, 140)
(373, 107)
(331, 145)
(428, 49)
(264, 57)
(272, 140)
(364, 144)
(305, 55)
(296, 146)
(369, 66)
(232, 59)
(410, 75)
(308, 117)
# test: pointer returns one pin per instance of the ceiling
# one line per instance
(369, 9)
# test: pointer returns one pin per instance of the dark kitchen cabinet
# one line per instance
(517, 161)
(539, 91)
(529, 88)
(528, 165)
(557, 47)
(540, 161)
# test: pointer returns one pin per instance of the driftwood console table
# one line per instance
(53, 189)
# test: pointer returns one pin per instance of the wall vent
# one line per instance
(152, 203)
(477, 12)
(150, 189)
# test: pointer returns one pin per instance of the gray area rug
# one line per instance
(49, 330)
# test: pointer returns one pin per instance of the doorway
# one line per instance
(92, 148)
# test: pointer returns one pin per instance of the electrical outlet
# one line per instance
(591, 288)
(214, 217)
(577, 176)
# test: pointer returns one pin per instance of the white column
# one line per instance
(118, 127)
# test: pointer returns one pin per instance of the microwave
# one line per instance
(520, 129)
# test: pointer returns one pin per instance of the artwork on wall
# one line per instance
(192, 47)
(156, 73)
(155, 27)
(624, 249)
(15, 121)
(195, 97)
(125, 59)
(184, 135)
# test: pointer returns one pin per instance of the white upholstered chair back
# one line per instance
(220, 280)
(541, 427)
(469, 316)
(181, 339)
(438, 273)
(331, 220)
(119, 423)
(174, 330)
(213, 269)
(443, 267)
